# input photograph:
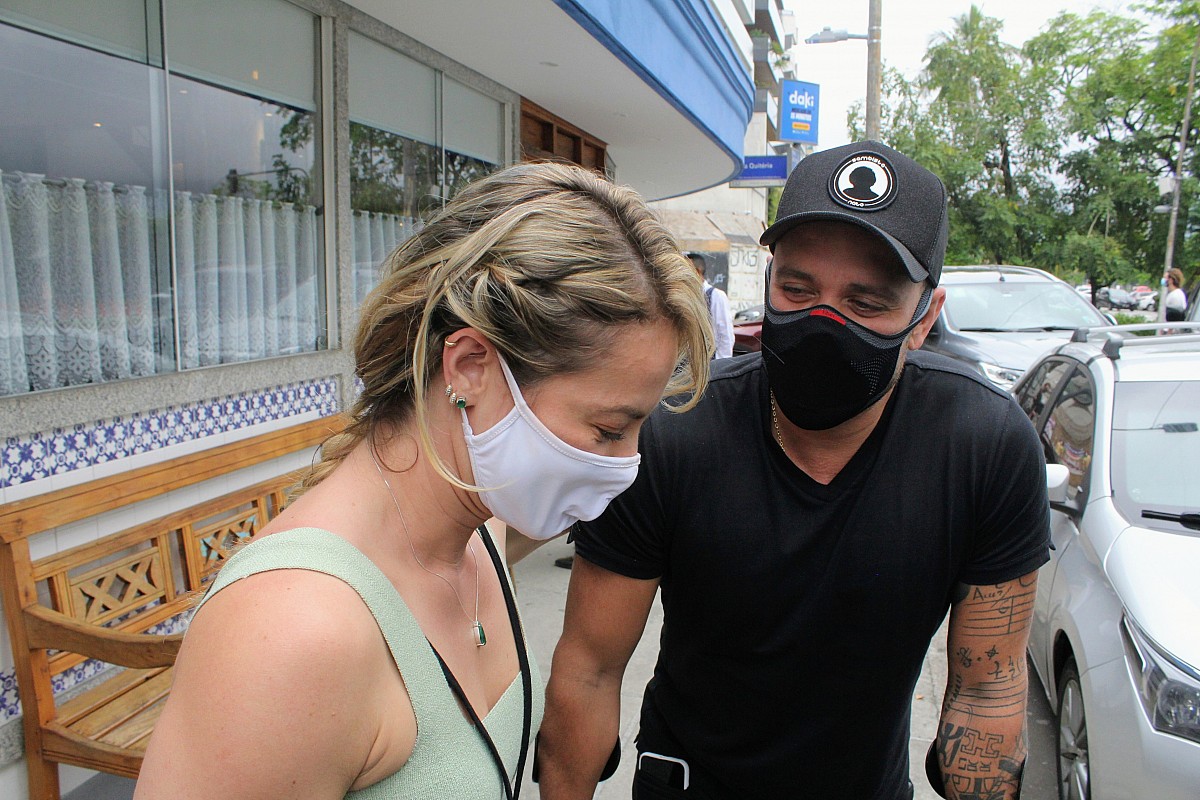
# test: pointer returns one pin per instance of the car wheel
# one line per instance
(1074, 776)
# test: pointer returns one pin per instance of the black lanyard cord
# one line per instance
(511, 791)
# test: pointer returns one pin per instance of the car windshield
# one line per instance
(1017, 306)
(1156, 448)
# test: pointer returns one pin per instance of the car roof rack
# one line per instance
(1119, 336)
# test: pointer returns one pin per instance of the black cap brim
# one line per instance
(773, 234)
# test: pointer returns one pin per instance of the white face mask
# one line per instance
(536, 482)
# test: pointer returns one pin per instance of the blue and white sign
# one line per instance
(759, 171)
(798, 112)
(764, 168)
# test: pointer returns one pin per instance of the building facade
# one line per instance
(197, 195)
(724, 222)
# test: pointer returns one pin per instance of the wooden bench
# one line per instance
(119, 599)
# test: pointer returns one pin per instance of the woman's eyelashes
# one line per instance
(610, 436)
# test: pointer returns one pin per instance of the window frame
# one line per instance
(1075, 367)
(64, 407)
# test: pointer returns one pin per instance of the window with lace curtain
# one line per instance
(161, 188)
(400, 169)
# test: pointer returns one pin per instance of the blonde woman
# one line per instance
(366, 645)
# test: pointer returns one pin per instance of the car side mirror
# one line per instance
(1058, 478)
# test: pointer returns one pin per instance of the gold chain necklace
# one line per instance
(775, 425)
(476, 626)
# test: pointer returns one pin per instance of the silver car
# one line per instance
(1116, 624)
(998, 319)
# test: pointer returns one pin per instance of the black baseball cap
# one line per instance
(877, 188)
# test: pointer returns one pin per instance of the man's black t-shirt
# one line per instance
(797, 615)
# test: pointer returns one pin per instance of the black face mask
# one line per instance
(824, 368)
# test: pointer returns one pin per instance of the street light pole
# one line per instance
(1168, 260)
(874, 38)
(874, 67)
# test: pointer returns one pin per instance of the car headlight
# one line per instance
(1004, 377)
(1169, 689)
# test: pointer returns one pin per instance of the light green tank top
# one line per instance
(449, 759)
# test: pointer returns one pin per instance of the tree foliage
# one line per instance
(1056, 154)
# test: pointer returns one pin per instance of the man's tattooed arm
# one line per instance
(981, 742)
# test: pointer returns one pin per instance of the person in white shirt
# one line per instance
(1176, 302)
(718, 310)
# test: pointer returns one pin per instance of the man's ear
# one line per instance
(917, 337)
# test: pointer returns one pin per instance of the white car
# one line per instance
(1116, 623)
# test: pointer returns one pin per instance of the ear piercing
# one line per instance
(459, 401)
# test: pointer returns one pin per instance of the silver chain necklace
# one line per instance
(476, 626)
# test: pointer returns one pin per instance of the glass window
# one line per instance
(1156, 447)
(394, 183)
(223, 42)
(1036, 392)
(127, 28)
(248, 239)
(474, 125)
(391, 92)
(395, 163)
(247, 233)
(88, 115)
(84, 269)
(1067, 436)
(1013, 305)
(400, 169)
(474, 122)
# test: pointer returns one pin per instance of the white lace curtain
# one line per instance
(374, 236)
(77, 289)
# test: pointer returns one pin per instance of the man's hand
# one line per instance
(606, 614)
(981, 742)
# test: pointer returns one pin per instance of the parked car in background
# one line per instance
(1115, 298)
(1146, 301)
(747, 327)
(998, 319)
(1115, 635)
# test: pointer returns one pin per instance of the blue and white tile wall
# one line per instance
(44, 461)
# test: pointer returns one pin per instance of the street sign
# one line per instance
(761, 171)
(799, 109)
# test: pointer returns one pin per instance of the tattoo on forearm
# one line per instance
(997, 610)
(1002, 695)
(975, 766)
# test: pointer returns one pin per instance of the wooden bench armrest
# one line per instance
(50, 629)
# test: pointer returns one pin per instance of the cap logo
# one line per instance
(864, 182)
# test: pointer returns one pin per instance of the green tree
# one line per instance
(1052, 154)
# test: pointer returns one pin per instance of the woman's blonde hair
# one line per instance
(548, 261)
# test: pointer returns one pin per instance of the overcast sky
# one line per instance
(908, 26)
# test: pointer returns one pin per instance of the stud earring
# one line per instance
(460, 402)
(449, 390)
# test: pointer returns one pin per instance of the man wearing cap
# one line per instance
(853, 491)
